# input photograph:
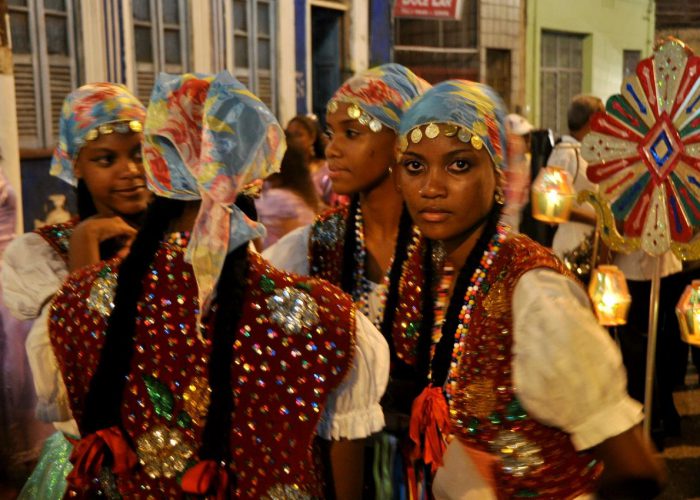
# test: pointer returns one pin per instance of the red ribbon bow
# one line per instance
(90, 452)
(205, 476)
(429, 427)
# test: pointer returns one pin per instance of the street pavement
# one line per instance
(683, 453)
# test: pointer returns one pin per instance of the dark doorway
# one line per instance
(498, 73)
(326, 36)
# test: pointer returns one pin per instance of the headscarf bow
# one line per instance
(206, 136)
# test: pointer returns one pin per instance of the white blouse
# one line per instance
(567, 373)
(32, 272)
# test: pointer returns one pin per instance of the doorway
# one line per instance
(498, 74)
(326, 56)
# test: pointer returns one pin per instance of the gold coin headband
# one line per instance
(432, 130)
(357, 113)
(110, 128)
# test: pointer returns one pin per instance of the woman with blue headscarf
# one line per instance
(193, 367)
(369, 248)
(524, 394)
(99, 153)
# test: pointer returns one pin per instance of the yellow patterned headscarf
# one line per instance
(207, 136)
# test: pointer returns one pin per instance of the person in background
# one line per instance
(517, 175)
(99, 150)
(524, 393)
(567, 155)
(289, 199)
(304, 133)
(21, 434)
(193, 367)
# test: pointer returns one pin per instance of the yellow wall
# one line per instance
(609, 26)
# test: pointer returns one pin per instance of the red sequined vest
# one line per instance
(326, 261)
(58, 236)
(294, 346)
(534, 460)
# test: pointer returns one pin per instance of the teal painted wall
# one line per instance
(609, 27)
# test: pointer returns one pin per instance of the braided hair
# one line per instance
(102, 408)
(443, 352)
(347, 277)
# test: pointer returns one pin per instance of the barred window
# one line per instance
(45, 66)
(160, 41)
(560, 78)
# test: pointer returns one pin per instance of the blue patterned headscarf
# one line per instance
(207, 136)
(379, 95)
(475, 110)
(91, 110)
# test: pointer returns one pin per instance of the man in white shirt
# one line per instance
(567, 155)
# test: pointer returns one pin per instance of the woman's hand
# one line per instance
(85, 242)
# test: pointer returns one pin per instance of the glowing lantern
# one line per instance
(688, 312)
(610, 296)
(552, 195)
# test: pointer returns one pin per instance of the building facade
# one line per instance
(587, 47)
(292, 53)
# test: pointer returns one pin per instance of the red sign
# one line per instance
(434, 9)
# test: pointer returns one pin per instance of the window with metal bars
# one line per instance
(439, 49)
(45, 66)
(160, 41)
(254, 29)
(561, 77)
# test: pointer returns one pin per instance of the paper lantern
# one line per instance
(553, 195)
(688, 313)
(610, 296)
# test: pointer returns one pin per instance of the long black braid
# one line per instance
(103, 401)
(86, 207)
(347, 279)
(230, 291)
(443, 352)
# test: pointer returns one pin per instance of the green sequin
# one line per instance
(514, 411)
(485, 288)
(412, 329)
(267, 285)
(495, 418)
(473, 425)
(184, 420)
(305, 285)
(104, 272)
(161, 397)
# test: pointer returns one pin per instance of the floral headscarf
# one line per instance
(380, 95)
(206, 137)
(474, 111)
(106, 106)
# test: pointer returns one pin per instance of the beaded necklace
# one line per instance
(440, 309)
(363, 286)
(475, 287)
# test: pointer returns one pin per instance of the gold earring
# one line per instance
(498, 196)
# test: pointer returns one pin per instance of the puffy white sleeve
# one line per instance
(353, 410)
(31, 274)
(291, 252)
(567, 371)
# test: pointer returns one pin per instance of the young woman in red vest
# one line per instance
(524, 393)
(370, 248)
(193, 367)
(99, 151)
